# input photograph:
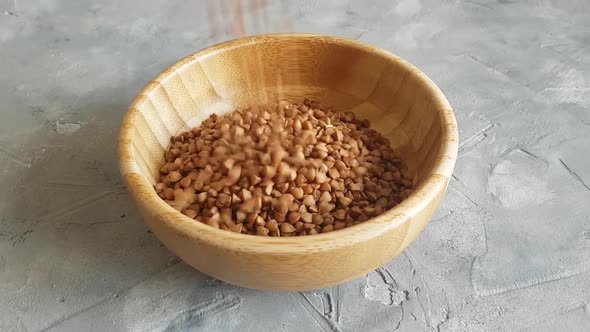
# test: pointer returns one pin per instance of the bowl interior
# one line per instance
(400, 101)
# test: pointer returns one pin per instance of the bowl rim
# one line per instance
(423, 195)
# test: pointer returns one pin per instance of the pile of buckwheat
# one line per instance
(282, 170)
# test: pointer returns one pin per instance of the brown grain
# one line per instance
(282, 170)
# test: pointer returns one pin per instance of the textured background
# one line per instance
(509, 247)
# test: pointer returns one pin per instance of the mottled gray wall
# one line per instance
(508, 248)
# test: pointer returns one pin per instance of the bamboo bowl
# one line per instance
(399, 100)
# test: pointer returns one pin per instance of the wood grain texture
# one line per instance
(399, 100)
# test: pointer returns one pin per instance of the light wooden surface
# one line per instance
(398, 99)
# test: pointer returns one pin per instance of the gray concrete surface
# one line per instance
(508, 249)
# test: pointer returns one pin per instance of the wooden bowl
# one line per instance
(399, 100)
